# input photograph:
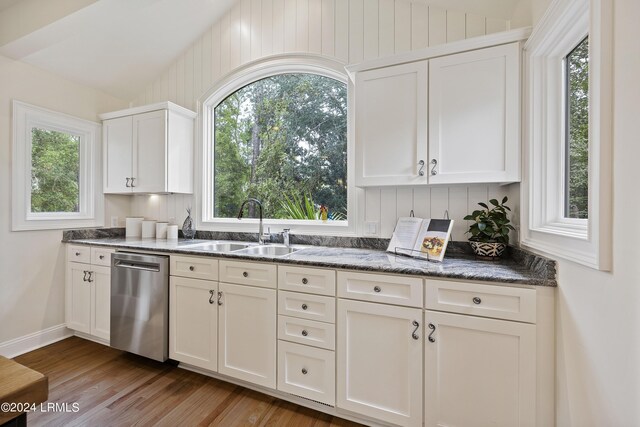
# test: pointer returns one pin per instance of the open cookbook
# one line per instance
(421, 238)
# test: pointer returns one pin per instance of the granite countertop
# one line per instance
(520, 267)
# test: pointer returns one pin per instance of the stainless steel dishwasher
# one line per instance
(140, 304)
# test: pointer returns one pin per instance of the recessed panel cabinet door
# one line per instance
(101, 302)
(379, 369)
(117, 136)
(193, 322)
(150, 152)
(247, 341)
(474, 111)
(78, 297)
(391, 125)
(479, 372)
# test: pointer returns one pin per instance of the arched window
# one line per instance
(279, 137)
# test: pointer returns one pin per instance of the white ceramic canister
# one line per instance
(172, 232)
(161, 230)
(148, 229)
(134, 227)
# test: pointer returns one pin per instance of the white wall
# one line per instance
(32, 262)
(598, 313)
(348, 30)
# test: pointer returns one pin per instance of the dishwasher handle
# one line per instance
(136, 266)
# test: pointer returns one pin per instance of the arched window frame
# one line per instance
(237, 79)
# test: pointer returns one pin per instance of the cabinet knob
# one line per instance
(304, 333)
(77, 253)
(304, 281)
(304, 306)
(476, 300)
(245, 274)
(377, 288)
(101, 257)
(304, 371)
(191, 268)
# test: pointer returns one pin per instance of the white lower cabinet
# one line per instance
(479, 372)
(193, 320)
(88, 293)
(379, 361)
(307, 371)
(247, 340)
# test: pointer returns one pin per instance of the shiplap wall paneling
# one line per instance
(347, 30)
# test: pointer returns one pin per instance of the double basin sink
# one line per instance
(242, 248)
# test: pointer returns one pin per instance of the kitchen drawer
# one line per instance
(310, 280)
(500, 302)
(194, 267)
(381, 288)
(101, 256)
(249, 273)
(309, 332)
(79, 254)
(307, 371)
(313, 307)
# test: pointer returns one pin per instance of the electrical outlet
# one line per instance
(114, 221)
(371, 228)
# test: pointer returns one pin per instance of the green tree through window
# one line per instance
(55, 171)
(577, 132)
(283, 140)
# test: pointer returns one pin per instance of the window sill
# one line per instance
(250, 225)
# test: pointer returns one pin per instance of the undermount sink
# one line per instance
(218, 246)
(269, 250)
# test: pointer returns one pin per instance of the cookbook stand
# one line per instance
(416, 254)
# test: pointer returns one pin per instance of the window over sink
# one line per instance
(278, 132)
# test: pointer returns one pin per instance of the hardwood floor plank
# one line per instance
(114, 388)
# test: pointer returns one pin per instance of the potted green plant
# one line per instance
(490, 229)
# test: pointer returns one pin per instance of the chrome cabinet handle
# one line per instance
(414, 334)
(245, 274)
(84, 277)
(377, 288)
(211, 293)
(421, 170)
(434, 163)
(433, 329)
(127, 184)
(132, 178)
(304, 371)
(476, 300)
(191, 268)
(220, 298)
(304, 281)
(304, 333)
(304, 306)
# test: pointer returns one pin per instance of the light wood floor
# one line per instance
(113, 388)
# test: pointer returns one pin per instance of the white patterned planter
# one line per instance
(488, 250)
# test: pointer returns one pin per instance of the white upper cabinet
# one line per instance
(148, 150)
(391, 127)
(439, 118)
(474, 110)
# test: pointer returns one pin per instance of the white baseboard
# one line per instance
(36, 340)
(91, 338)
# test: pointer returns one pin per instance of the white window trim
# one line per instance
(25, 118)
(251, 72)
(585, 241)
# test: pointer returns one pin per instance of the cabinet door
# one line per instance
(193, 317)
(479, 372)
(391, 125)
(247, 341)
(150, 152)
(474, 110)
(118, 147)
(101, 302)
(78, 297)
(380, 362)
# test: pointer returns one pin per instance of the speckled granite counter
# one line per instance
(519, 267)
